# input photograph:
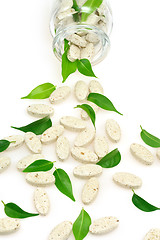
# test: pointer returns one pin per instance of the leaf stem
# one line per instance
(3, 203)
(133, 191)
(141, 127)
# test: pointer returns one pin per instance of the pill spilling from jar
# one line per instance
(87, 26)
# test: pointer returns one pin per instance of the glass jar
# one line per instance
(87, 30)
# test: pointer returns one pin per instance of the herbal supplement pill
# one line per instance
(66, 13)
(87, 170)
(81, 90)
(85, 138)
(88, 52)
(4, 163)
(66, 4)
(103, 225)
(84, 155)
(26, 161)
(95, 87)
(61, 231)
(73, 53)
(90, 190)
(40, 178)
(62, 148)
(8, 225)
(101, 146)
(113, 130)
(77, 40)
(52, 133)
(92, 38)
(40, 110)
(41, 201)
(60, 94)
(16, 141)
(153, 234)
(141, 153)
(73, 123)
(33, 142)
(127, 180)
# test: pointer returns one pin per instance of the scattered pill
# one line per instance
(41, 201)
(84, 155)
(85, 138)
(113, 130)
(40, 110)
(127, 180)
(33, 142)
(141, 153)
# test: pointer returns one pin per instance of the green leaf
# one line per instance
(4, 144)
(149, 139)
(89, 7)
(76, 8)
(14, 211)
(89, 110)
(41, 92)
(68, 67)
(81, 225)
(37, 127)
(39, 165)
(143, 205)
(85, 68)
(111, 160)
(102, 101)
(63, 183)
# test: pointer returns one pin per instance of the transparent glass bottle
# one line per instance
(86, 30)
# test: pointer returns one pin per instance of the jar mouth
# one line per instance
(102, 47)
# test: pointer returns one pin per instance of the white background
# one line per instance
(130, 76)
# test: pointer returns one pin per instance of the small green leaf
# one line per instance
(37, 127)
(85, 68)
(68, 67)
(89, 7)
(81, 225)
(4, 144)
(111, 160)
(149, 139)
(89, 110)
(39, 165)
(76, 16)
(63, 183)
(14, 211)
(102, 101)
(143, 205)
(41, 92)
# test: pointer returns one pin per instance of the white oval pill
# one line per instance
(33, 142)
(4, 163)
(60, 94)
(40, 178)
(41, 201)
(158, 153)
(92, 19)
(103, 225)
(66, 4)
(26, 161)
(73, 53)
(62, 231)
(81, 90)
(40, 110)
(85, 138)
(88, 52)
(113, 130)
(8, 225)
(84, 115)
(52, 133)
(153, 234)
(92, 38)
(73, 123)
(90, 190)
(127, 180)
(62, 148)
(66, 13)
(77, 40)
(84, 155)
(141, 153)
(87, 170)
(95, 87)
(16, 141)
(101, 146)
